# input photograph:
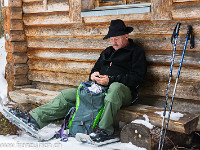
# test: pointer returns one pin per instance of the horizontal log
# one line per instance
(161, 73)
(12, 25)
(185, 124)
(159, 88)
(29, 1)
(16, 58)
(177, 1)
(13, 13)
(16, 47)
(34, 96)
(52, 6)
(51, 86)
(186, 105)
(61, 66)
(157, 42)
(15, 3)
(142, 136)
(46, 18)
(191, 59)
(57, 77)
(17, 69)
(15, 36)
(64, 54)
(186, 10)
(15, 80)
(101, 29)
(16, 25)
(126, 17)
(153, 57)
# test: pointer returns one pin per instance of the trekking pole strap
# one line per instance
(176, 32)
(190, 36)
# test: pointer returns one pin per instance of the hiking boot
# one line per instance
(25, 117)
(100, 135)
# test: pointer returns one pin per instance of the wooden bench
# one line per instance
(185, 124)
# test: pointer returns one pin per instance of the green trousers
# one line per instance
(118, 95)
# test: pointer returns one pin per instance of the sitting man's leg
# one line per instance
(118, 95)
(55, 109)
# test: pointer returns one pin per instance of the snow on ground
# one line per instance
(25, 142)
(173, 116)
(3, 83)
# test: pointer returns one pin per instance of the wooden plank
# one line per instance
(156, 27)
(64, 54)
(191, 59)
(67, 42)
(51, 86)
(177, 1)
(161, 9)
(18, 69)
(37, 7)
(30, 1)
(15, 3)
(186, 10)
(16, 47)
(185, 90)
(161, 73)
(46, 18)
(178, 104)
(16, 25)
(57, 77)
(127, 17)
(154, 42)
(34, 96)
(185, 124)
(87, 4)
(60, 66)
(14, 13)
(153, 57)
(16, 36)
(16, 58)
(75, 11)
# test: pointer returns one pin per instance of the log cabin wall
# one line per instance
(62, 47)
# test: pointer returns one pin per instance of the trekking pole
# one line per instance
(174, 36)
(190, 37)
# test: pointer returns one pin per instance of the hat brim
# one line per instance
(118, 33)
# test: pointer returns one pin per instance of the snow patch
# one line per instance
(144, 122)
(3, 62)
(173, 116)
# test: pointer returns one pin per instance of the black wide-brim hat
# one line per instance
(117, 28)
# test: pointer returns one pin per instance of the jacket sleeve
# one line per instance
(136, 73)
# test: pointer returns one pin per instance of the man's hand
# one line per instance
(94, 76)
(103, 80)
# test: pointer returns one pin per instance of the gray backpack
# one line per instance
(89, 107)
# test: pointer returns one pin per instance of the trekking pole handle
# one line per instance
(190, 36)
(176, 32)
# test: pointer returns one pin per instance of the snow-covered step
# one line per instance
(35, 96)
(182, 122)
